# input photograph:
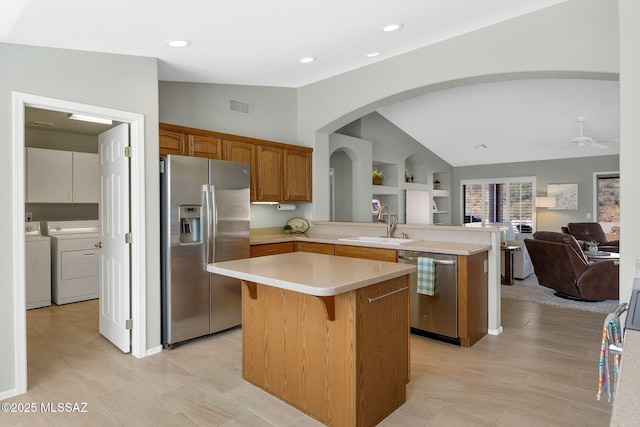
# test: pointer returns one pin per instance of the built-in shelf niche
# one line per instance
(416, 167)
(441, 198)
(390, 172)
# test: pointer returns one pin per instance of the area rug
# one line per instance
(529, 290)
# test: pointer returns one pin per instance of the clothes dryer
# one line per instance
(74, 260)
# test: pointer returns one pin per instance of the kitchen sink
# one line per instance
(386, 240)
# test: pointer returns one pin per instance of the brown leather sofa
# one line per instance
(591, 232)
(560, 264)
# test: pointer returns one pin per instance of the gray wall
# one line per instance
(206, 106)
(61, 141)
(120, 82)
(561, 171)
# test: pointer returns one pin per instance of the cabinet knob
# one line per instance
(98, 245)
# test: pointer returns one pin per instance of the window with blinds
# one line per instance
(499, 201)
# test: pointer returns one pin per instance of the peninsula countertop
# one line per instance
(451, 248)
(310, 273)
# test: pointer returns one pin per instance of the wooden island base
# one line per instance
(349, 371)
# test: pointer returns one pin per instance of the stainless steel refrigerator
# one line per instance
(204, 219)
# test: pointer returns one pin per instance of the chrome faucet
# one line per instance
(390, 222)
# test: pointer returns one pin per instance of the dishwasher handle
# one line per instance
(435, 261)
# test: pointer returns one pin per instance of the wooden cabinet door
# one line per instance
(382, 348)
(205, 146)
(297, 176)
(270, 249)
(172, 143)
(377, 254)
(269, 168)
(317, 248)
(237, 151)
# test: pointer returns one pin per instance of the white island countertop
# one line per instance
(310, 273)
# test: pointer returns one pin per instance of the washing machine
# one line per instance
(37, 266)
(74, 260)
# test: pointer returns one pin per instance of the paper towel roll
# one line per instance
(286, 207)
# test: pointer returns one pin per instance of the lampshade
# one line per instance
(545, 202)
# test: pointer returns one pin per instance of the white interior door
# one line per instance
(114, 225)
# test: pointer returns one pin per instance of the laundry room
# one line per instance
(61, 207)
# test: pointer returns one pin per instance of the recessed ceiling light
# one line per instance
(372, 54)
(307, 59)
(391, 27)
(179, 43)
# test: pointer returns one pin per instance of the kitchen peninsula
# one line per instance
(465, 241)
(326, 334)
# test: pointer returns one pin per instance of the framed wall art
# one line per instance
(566, 196)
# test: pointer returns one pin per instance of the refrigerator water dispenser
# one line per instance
(190, 219)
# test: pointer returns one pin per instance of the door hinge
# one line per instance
(128, 238)
(127, 151)
(129, 324)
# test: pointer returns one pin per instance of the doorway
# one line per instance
(137, 280)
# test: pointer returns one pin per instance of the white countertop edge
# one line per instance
(308, 289)
(452, 248)
(315, 283)
(476, 226)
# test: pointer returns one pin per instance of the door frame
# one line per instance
(137, 281)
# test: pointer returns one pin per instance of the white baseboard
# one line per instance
(154, 350)
(7, 394)
(495, 331)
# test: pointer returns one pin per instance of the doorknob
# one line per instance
(98, 245)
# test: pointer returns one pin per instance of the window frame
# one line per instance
(596, 176)
(484, 182)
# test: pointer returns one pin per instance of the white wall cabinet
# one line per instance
(55, 176)
(86, 178)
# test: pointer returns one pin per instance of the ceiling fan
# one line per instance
(587, 141)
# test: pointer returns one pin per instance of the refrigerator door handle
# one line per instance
(214, 225)
(206, 231)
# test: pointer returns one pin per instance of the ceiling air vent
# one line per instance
(240, 107)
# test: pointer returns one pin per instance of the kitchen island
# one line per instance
(326, 334)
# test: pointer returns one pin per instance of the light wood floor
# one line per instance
(542, 371)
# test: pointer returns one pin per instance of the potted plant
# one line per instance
(377, 177)
(287, 229)
(436, 184)
(593, 246)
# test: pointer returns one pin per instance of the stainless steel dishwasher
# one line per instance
(434, 316)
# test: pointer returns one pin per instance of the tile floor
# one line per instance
(542, 371)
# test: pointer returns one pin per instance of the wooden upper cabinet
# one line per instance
(269, 173)
(279, 172)
(238, 151)
(205, 146)
(297, 176)
(172, 143)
